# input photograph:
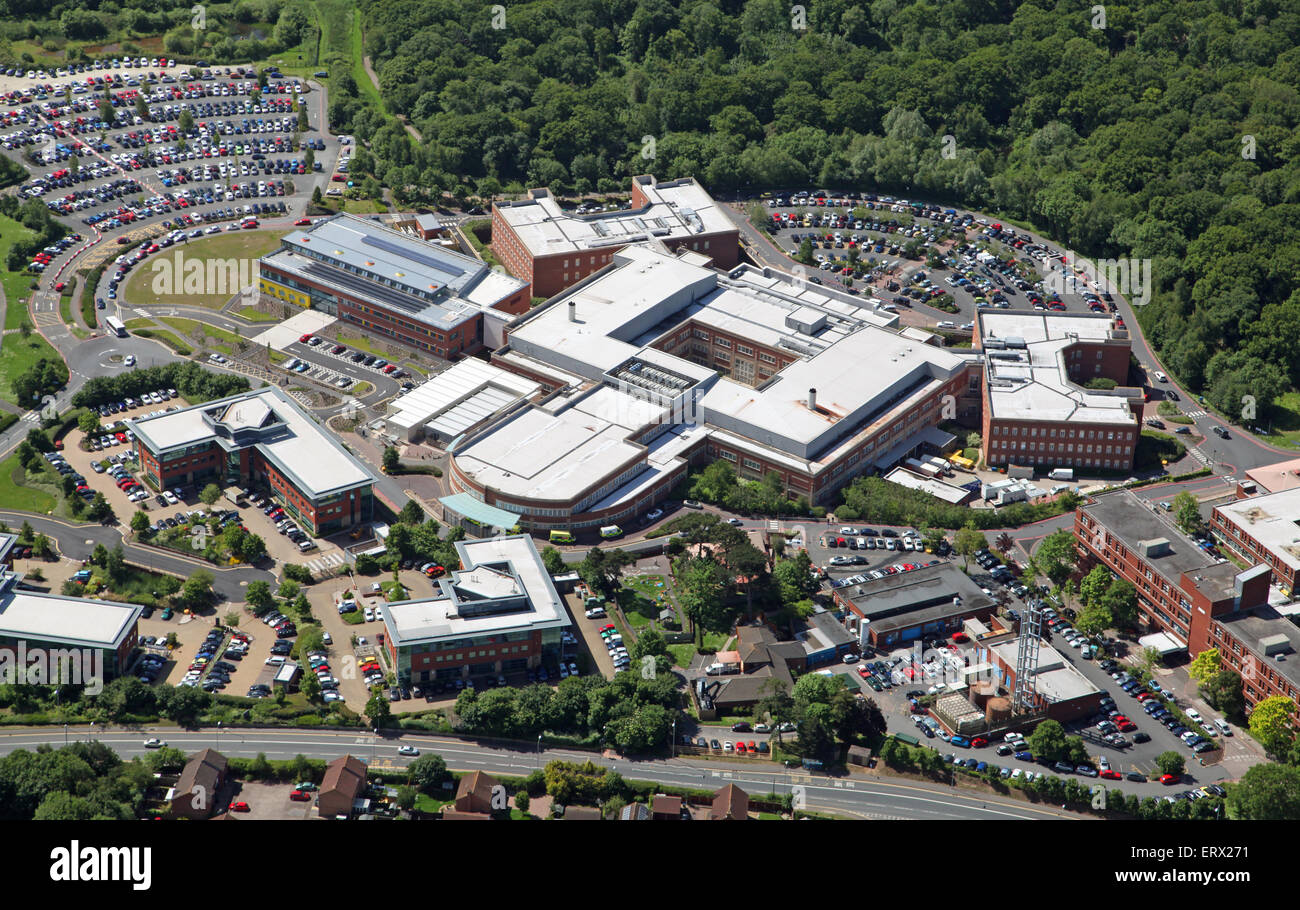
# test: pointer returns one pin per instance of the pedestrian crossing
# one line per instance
(31, 417)
(1195, 414)
(44, 318)
(325, 564)
(1200, 456)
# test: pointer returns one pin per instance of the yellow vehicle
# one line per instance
(562, 537)
(611, 531)
(962, 462)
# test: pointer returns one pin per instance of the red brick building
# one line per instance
(259, 438)
(552, 249)
(1036, 409)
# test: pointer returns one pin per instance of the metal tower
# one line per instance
(1023, 700)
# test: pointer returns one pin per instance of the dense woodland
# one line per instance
(1169, 134)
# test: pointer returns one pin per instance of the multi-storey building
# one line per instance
(672, 362)
(553, 249)
(499, 613)
(394, 284)
(1036, 409)
(260, 437)
(1198, 601)
(1263, 529)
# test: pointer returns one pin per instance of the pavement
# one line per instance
(859, 794)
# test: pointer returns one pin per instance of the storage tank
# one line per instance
(997, 711)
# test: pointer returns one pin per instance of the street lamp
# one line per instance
(674, 745)
(539, 750)
(65, 734)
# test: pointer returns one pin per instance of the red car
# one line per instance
(740, 747)
(60, 286)
(435, 571)
(239, 807)
(301, 796)
(961, 638)
(1112, 775)
(304, 339)
(1126, 726)
(302, 222)
(979, 742)
(1167, 779)
(1120, 719)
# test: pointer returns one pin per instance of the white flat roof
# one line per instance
(1056, 677)
(488, 566)
(1036, 385)
(678, 208)
(536, 455)
(460, 396)
(1273, 520)
(72, 621)
(944, 491)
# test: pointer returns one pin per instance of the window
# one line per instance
(722, 343)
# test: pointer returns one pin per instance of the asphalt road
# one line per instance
(858, 796)
(78, 541)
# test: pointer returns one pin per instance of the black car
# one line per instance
(1136, 777)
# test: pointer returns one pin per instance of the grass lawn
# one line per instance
(15, 283)
(640, 599)
(355, 206)
(65, 309)
(369, 345)
(1154, 447)
(682, 655)
(361, 389)
(15, 492)
(17, 289)
(1283, 420)
(429, 804)
(225, 342)
(17, 355)
(168, 339)
(140, 323)
(253, 314)
(250, 245)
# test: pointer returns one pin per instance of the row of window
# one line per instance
(1059, 448)
(1032, 431)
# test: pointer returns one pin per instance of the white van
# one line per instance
(611, 531)
(1061, 474)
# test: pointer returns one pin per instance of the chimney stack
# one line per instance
(573, 311)
(812, 399)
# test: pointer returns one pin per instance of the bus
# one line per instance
(116, 326)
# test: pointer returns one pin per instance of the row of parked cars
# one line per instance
(319, 664)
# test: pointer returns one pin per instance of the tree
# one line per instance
(140, 522)
(967, 541)
(377, 710)
(1205, 665)
(1223, 690)
(412, 513)
(1187, 513)
(100, 510)
(41, 547)
(1093, 620)
(88, 422)
(390, 460)
(1048, 740)
(310, 686)
(1171, 763)
(1266, 792)
(1271, 723)
(1094, 585)
(428, 773)
(196, 592)
(210, 494)
(522, 801)
(300, 574)
(258, 596)
(1056, 556)
(553, 560)
(1004, 543)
